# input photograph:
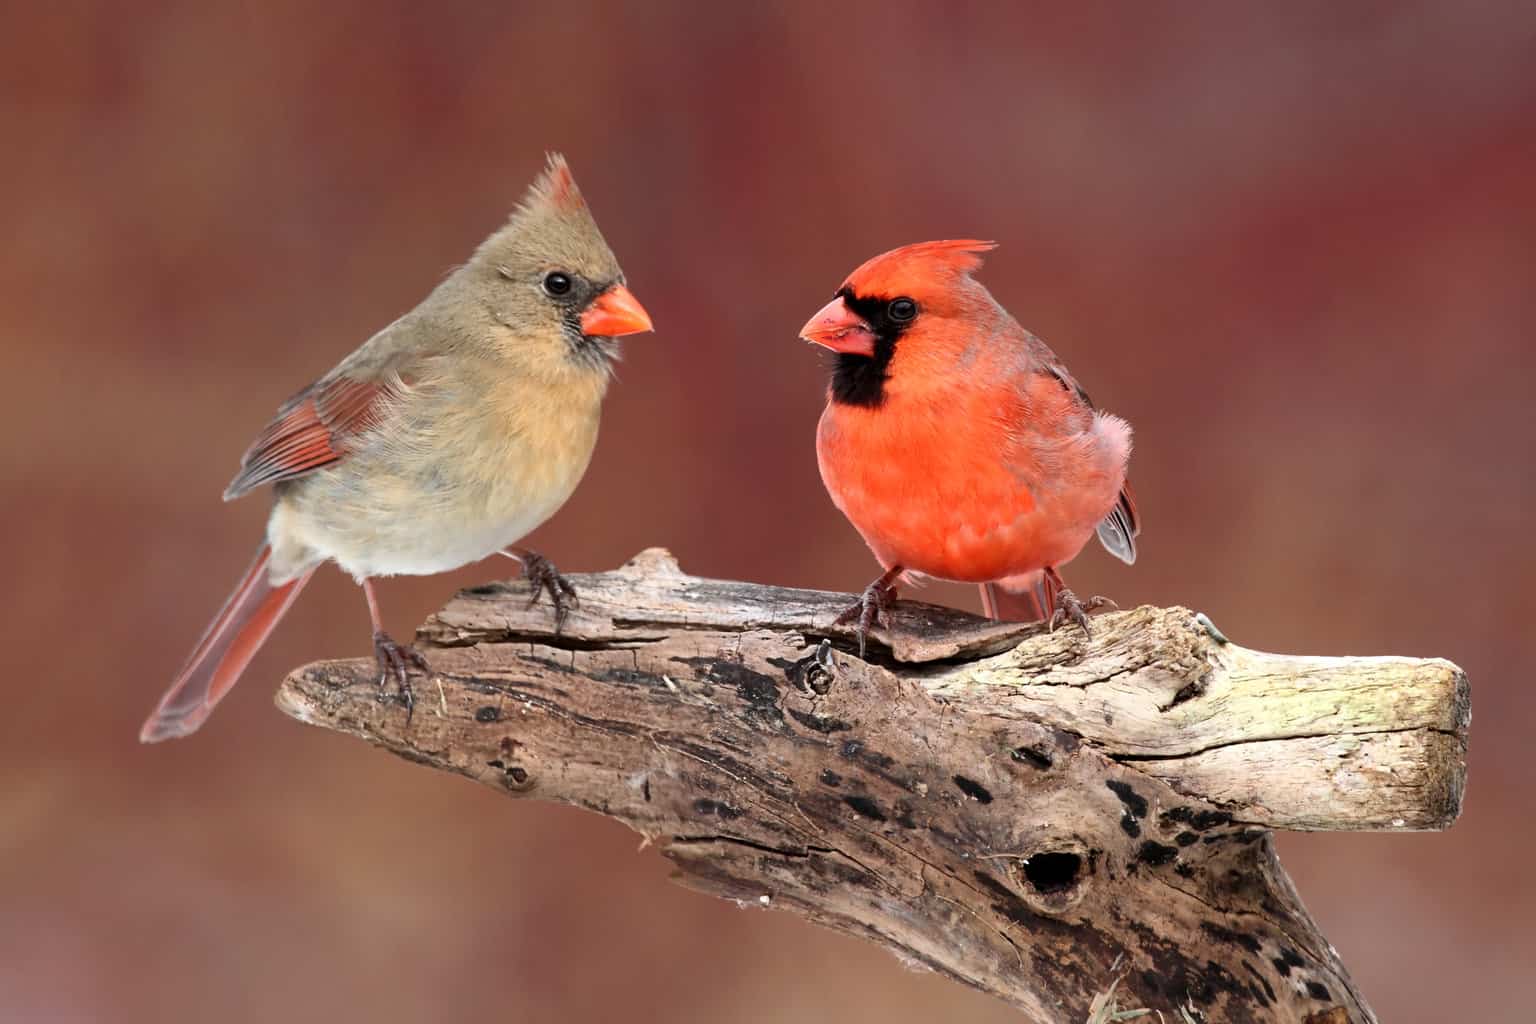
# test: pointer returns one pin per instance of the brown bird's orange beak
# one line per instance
(840, 329)
(614, 313)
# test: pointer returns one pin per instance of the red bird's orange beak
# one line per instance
(615, 313)
(840, 329)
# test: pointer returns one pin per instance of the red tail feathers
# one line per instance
(1019, 599)
(228, 645)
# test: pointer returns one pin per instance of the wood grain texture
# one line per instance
(1036, 815)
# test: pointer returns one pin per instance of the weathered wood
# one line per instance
(1033, 814)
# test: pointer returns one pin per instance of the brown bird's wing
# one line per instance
(313, 429)
(1118, 530)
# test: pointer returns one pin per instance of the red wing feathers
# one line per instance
(311, 430)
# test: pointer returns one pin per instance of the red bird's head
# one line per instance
(919, 298)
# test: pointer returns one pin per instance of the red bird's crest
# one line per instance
(891, 272)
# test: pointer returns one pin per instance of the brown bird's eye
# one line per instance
(901, 310)
(556, 283)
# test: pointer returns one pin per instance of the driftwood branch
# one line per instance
(1033, 814)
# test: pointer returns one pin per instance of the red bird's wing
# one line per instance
(313, 429)
(1118, 530)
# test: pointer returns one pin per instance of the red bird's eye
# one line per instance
(901, 310)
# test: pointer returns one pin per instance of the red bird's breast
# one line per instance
(974, 483)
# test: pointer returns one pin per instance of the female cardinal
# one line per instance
(956, 442)
(446, 437)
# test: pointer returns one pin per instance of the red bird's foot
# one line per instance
(873, 605)
(546, 579)
(397, 660)
(1069, 607)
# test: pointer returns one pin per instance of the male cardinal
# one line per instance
(446, 437)
(958, 445)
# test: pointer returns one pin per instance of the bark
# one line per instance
(1038, 815)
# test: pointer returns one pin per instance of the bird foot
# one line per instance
(1069, 607)
(397, 660)
(545, 578)
(872, 608)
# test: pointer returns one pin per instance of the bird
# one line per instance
(958, 445)
(446, 437)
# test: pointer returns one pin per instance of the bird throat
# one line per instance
(860, 380)
(590, 352)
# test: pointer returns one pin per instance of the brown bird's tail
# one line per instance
(1029, 598)
(228, 645)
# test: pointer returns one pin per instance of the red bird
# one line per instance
(958, 445)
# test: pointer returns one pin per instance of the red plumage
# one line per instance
(230, 642)
(956, 442)
(311, 430)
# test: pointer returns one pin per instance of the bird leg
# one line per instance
(1070, 607)
(545, 578)
(394, 659)
(872, 606)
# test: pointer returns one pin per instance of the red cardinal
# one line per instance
(956, 442)
(445, 438)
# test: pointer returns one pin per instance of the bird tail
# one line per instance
(228, 645)
(1027, 598)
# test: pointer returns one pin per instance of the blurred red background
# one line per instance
(1292, 244)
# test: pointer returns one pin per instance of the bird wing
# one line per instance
(314, 428)
(1118, 530)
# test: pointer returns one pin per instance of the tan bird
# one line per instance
(447, 437)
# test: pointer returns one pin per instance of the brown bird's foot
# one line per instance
(546, 579)
(1069, 607)
(873, 606)
(397, 660)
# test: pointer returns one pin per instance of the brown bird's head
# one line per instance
(551, 280)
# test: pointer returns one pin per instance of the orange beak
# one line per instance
(840, 329)
(615, 313)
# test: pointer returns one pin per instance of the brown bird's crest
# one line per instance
(556, 186)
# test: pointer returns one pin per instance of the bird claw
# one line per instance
(1068, 606)
(397, 660)
(544, 578)
(872, 607)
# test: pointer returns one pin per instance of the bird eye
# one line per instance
(557, 283)
(901, 310)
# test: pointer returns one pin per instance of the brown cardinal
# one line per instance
(446, 437)
(956, 442)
